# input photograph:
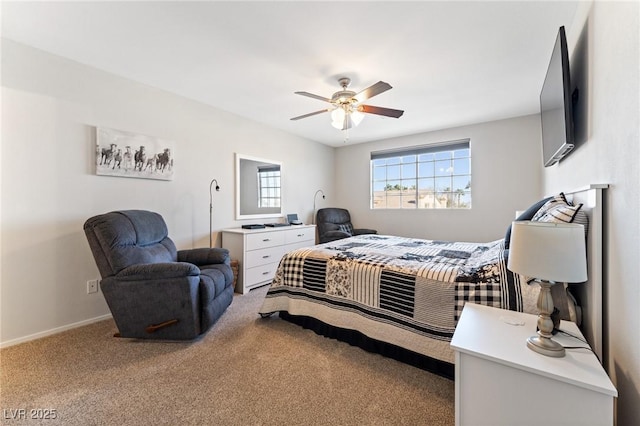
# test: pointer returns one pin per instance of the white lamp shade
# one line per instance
(356, 117)
(548, 251)
(352, 119)
(337, 116)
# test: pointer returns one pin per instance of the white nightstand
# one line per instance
(499, 381)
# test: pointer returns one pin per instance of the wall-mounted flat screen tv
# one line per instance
(556, 109)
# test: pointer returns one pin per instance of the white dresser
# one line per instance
(500, 381)
(259, 251)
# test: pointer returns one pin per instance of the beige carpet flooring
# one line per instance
(244, 371)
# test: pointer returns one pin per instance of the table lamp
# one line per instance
(549, 253)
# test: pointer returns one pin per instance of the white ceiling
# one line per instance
(450, 63)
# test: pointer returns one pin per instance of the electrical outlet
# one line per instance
(92, 286)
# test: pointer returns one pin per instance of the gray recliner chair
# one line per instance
(334, 224)
(153, 290)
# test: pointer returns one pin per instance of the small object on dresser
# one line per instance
(292, 219)
(253, 226)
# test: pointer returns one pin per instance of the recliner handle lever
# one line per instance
(155, 327)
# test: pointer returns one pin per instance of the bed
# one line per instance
(402, 297)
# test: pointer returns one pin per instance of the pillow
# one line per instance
(346, 227)
(581, 218)
(559, 213)
(567, 214)
(526, 215)
(558, 200)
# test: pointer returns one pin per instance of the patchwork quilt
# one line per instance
(404, 291)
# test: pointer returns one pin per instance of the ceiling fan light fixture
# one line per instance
(356, 117)
(347, 110)
(346, 116)
(337, 118)
(345, 124)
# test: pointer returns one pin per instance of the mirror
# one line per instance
(258, 188)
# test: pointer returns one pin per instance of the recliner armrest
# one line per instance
(150, 271)
(335, 235)
(205, 256)
(363, 231)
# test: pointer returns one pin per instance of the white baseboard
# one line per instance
(56, 330)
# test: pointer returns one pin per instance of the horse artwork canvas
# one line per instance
(126, 154)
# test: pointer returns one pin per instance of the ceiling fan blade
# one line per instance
(387, 112)
(311, 113)
(372, 91)
(311, 95)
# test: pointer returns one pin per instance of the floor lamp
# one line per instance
(211, 210)
(319, 191)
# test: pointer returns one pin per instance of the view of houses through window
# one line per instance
(424, 177)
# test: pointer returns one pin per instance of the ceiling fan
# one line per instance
(346, 108)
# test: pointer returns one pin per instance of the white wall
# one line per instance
(607, 34)
(506, 160)
(50, 107)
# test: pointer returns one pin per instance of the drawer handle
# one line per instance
(266, 256)
(300, 235)
(265, 273)
(267, 239)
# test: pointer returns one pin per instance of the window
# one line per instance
(269, 186)
(423, 177)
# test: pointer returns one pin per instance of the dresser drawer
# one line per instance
(299, 244)
(259, 274)
(264, 240)
(294, 236)
(264, 256)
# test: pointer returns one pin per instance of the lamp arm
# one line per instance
(211, 209)
(319, 191)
